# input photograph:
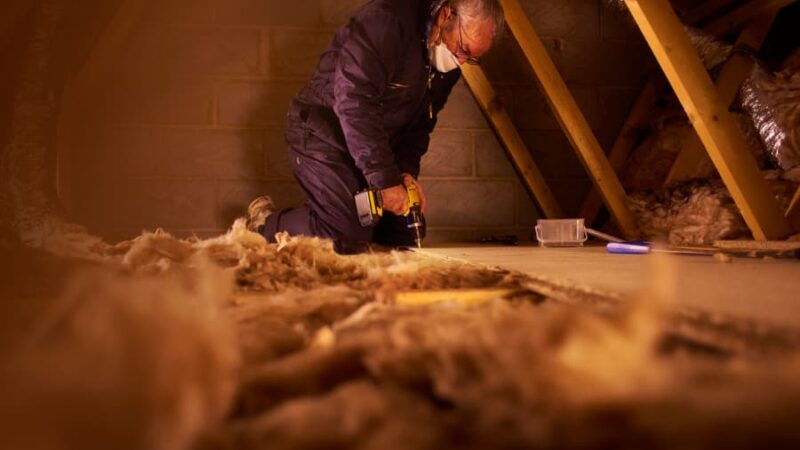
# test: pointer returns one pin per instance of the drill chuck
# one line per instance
(415, 224)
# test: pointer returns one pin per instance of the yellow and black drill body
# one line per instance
(369, 206)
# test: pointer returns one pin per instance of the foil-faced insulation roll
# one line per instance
(773, 102)
(713, 51)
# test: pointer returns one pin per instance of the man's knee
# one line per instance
(347, 233)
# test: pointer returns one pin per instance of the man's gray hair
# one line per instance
(481, 10)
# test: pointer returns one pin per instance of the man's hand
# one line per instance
(408, 179)
(395, 199)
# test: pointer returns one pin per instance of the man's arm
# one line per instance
(413, 143)
(367, 58)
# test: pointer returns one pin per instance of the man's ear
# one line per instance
(444, 14)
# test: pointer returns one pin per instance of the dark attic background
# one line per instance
(171, 114)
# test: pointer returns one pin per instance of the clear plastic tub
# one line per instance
(561, 232)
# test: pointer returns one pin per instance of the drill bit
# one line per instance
(415, 223)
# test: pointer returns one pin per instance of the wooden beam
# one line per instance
(512, 142)
(739, 17)
(626, 140)
(758, 245)
(711, 119)
(570, 117)
(692, 161)
(793, 212)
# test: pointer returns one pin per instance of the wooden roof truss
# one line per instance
(716, 143)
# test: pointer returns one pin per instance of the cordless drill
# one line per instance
(369, 206)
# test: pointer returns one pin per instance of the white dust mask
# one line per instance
(442, 58)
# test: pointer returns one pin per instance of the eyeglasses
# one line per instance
(461, 53)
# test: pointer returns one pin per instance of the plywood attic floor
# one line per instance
(754, 288)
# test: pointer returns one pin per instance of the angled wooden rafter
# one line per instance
(570, 117)
(693, 161)
(512, 142)
(710, 118)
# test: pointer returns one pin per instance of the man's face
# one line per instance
(468, 40)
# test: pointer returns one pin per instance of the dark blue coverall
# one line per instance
(363, 119)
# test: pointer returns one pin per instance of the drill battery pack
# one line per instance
(369, 207)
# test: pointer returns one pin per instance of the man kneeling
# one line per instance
(365, 117)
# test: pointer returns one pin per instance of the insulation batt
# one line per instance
(147, 348)
(693, 213)
(651, 161)
(699, 212)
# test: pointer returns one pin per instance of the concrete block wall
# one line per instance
(604, 61)
(187, 126)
